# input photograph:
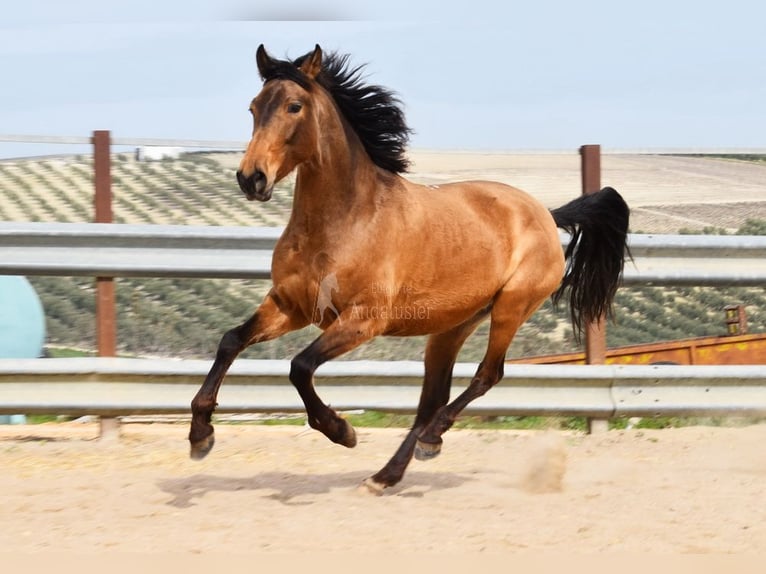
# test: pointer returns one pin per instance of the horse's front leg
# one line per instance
(268, 322)
(346, 333)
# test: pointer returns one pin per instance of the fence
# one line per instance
(117, 250)
(103, 142)
(112, 387)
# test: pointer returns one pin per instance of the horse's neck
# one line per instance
(339, 183)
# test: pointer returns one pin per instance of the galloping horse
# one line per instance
(406, 259)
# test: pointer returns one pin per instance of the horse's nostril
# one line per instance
(249, 181)
(255, 185)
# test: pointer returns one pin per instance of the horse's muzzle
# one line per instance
(255, 186)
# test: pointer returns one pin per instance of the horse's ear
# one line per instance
(264, 61)
(312, 65)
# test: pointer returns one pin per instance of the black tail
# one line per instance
(598, 224)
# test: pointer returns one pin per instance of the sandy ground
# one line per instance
(287, 489)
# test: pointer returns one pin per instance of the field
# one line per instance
(184, 318)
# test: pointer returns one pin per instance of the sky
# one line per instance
(506, 75)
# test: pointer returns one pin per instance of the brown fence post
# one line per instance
(106, 314)
(595, 332)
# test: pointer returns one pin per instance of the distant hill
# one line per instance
(185, 318)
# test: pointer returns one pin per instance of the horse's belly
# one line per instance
(413, 320)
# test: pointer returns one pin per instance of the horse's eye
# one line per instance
(294, 108)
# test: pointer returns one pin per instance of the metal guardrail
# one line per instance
(703, 260)
(118, 250)
(116, 386)
(113, 387)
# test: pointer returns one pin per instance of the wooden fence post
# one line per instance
(106, 314)
(595, 332)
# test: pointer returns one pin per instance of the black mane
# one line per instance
(374, 112)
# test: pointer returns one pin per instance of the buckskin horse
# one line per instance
(407, 259)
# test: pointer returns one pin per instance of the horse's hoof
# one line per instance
(427, 450)
(369, 486)
(200, 449)
(347, 435)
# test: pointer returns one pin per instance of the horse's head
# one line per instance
(285, 128)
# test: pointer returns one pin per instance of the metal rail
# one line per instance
(116, 250)
(115, 387)
(119, 250)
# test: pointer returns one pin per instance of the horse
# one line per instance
(405, 259)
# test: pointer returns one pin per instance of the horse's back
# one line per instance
(526, 225)
(506, 212)
(494, 195)
(505, 228)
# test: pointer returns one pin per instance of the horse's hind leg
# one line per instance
(508, 314)
(268, 322)
(440, 355)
